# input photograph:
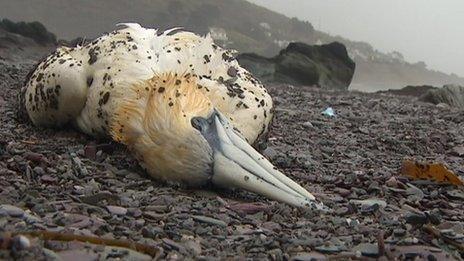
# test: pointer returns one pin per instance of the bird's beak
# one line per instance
(237, 164)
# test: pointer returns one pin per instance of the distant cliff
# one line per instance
(233, 23)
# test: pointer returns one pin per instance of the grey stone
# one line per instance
(116, 210)
(11, 210)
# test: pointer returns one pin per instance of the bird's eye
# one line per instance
(199, 123)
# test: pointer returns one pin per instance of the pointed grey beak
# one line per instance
(237, 164)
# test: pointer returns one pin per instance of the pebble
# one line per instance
(173, 245)
(153, 215)
(12, 211)
(116, 210)
(48, 179)
(137, 224)
(193, 246)
(307, 124)
(98, 197)
(21, 242)
(352, 222)
(210, 220)
(416, 218)
(455, 194)
(39, 170)
(81, 169)
(31, 219)
(151, 232)
(342, 211)
(310, 256)
(410, 240)
(442, 105)
(90, 151)
(399, 232)
(368, 249)
(135, 212)
(458, 151)
(370, 202)
(272, 226)
(35, 157)
(276, 254)
(434, 216)
(414, 193)
(343, 192)
(329, 249)
(392, 182)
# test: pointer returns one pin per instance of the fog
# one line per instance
(422, 30)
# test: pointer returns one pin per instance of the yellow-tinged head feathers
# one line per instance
(162, 105)
(154, 121)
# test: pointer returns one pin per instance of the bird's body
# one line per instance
(181, 104)
(86, 84)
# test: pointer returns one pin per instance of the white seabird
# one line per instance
(180, 103)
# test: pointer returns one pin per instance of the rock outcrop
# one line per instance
(410, 90)
(24, 42)
(327, 66)
(33, 30)
(453, 95)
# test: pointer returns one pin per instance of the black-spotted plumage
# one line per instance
(84, 84)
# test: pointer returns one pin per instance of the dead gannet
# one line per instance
(181, 104)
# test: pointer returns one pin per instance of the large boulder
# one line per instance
(410, 90)
(33, 30)
(327, 66)
(453, 95)
(24, 42)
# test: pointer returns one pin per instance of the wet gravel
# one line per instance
(64, 181)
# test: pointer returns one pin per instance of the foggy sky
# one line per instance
(422, 30)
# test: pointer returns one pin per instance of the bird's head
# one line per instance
(178, 135)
